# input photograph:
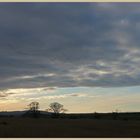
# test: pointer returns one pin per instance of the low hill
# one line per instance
(44, 114)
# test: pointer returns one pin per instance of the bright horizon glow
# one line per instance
(82, 99)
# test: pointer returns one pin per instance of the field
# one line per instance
(68, 128)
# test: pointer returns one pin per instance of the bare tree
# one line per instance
(33, 109)
(56, 108)
(34, 106)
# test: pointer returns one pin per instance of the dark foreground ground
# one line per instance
(68, 128)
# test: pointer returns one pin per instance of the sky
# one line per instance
(85, 56)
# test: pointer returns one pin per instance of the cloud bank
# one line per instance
(69, 45)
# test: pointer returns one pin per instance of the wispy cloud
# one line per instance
(61, 96)
(19, 92)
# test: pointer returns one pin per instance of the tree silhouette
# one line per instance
(115, 114)
(33, 108)
(57, 108)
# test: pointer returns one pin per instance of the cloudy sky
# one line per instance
(83, 55)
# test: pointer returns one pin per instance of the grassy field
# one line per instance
(78, 128)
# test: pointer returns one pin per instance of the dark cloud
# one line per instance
(69, 44)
